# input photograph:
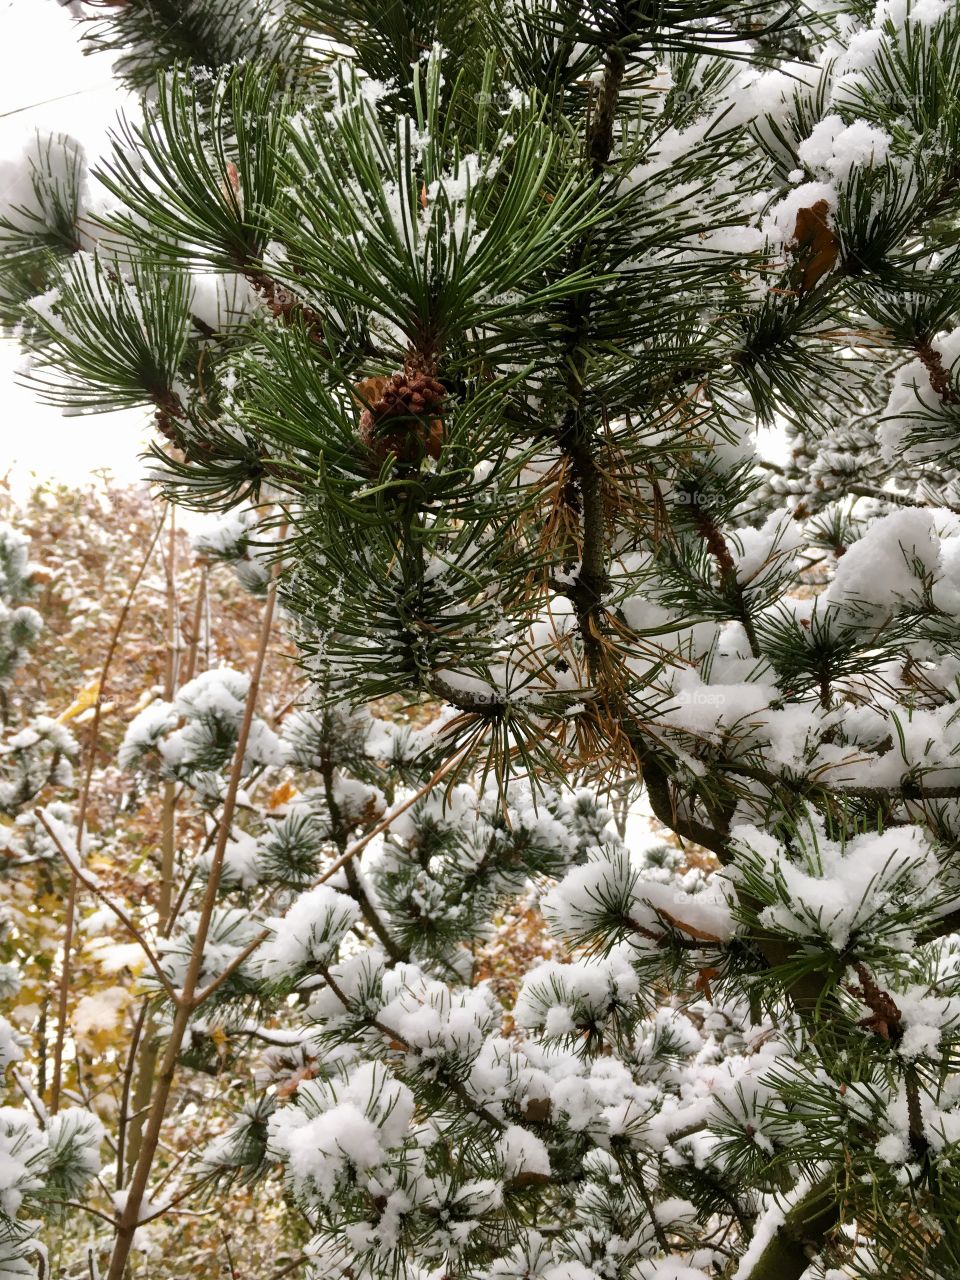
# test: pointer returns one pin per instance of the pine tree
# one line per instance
(480, 305)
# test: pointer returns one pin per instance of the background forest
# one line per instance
(86, 549)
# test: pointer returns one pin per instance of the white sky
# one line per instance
(42, 61)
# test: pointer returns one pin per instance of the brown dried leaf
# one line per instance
(537, 1110)
(815, 244)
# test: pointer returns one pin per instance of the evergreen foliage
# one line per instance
(37, 751)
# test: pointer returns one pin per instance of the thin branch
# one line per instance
(36, 1104)
(96, 888)
(71, 912)
(193, 643)
(147, 1064)
(203, 996)
(86, 1208)
(168, 834)
(576, 436)
(123, 1117)
(129, 1218)
(389, 818)
(289, 1268)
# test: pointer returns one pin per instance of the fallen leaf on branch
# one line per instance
(815, 245)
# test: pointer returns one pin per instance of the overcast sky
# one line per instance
(42, 63)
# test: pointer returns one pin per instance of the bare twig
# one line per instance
(129, 1218)
(71, 912)
(87, 1208)
(193, 641)
(168, 835)
(290, 1267)
(147, 1064)
(351, 852)
(36, 1104)
(122, 1117)
(96, 888)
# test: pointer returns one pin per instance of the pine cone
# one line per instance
(169, 419)
(402, 417)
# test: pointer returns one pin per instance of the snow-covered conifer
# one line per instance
(483, 309)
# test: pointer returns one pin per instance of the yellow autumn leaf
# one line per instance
(145, 699)
(85, 699)
(280, 795)
(98, 1016)
(105, 708)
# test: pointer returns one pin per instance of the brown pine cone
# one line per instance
(169, 419)
(402, 416)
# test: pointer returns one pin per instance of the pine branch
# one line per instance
(940, 380)
(123, 1107)
(354, 881)
(576, 436)
(804, 1232)
(716, 544)
(394, 1039)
